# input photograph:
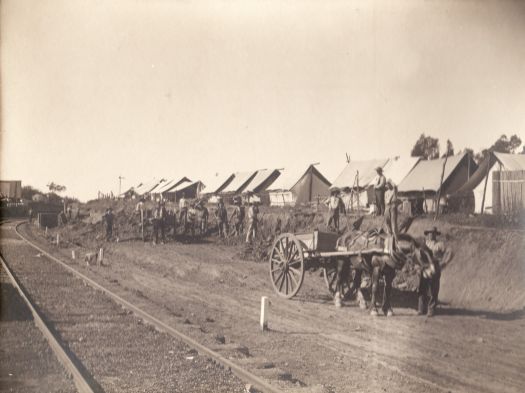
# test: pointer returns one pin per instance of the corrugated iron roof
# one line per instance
(511, 162)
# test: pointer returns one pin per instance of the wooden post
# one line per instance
(142, 222)
(100, 256)
(73, 254)
(440, 186)
(58, 240)
(485, 187)
(358, 204)
(264, 313)
(46, 231)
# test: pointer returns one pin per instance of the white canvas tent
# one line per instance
(484, 174)
(215, 184)
(262, 180)
(295, 186)
(239, 182)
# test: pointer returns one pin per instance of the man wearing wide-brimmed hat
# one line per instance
(335, 206)
(429, 287)
(237, 217)
(222, 217)
(379, 189)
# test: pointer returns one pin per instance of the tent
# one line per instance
(168, 185)
(239, 183)
(216, 184)
(262, 180)
(145, 188)
(424, 181)
(188, 188)
(298, 186)
(484, 175)
(396, 169)
(366, 170)
(358, 176)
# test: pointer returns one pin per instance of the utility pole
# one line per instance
(120, 178)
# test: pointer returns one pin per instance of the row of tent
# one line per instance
(417, 180)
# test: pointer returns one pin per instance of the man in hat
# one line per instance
(379, 189)
(429, 287)
(183, 211)
(335, 206)
(108, 218)
(159, 216)
(237, 216)
(253, 221)
(221, 214)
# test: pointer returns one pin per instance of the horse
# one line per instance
(377, 264)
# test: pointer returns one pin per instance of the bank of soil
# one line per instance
(208, 292)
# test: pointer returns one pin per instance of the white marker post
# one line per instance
(73, 254)
(100, 256)
(46, 231)
(264, 313)
(58, 240)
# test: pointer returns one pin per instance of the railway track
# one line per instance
(65, 330)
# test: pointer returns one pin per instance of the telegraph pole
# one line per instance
(120, 178)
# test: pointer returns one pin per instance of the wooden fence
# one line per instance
(508, 191)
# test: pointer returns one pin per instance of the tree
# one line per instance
(502, 145)
(426, 147)
(450, 149)
(28, 192)
(53, 187)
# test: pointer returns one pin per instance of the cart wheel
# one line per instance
(329, 274)
(287, 265)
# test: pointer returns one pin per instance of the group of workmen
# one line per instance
(193, 216)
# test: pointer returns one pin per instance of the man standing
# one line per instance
(237, 216)
(159, 215)
(335, 206)
(108, 218)
(429, 287)
(221, 214)
(253, 221)
(183, 208)
(379, 189)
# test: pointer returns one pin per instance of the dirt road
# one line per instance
(206, 291)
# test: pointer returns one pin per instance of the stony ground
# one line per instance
(116, 350)
(209, 293)
(27, 364)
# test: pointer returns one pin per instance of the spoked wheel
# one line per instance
(330, 276)
(287, 265)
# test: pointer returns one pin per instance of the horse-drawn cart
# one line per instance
(292, 254)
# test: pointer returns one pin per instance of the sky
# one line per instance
(94, 90)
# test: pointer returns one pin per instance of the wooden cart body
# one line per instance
(293, 254)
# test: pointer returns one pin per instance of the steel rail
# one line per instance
(243, 374)
(80, 382)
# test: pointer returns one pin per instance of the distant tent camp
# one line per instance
(239, 183)
(169, 185)
(294, 187)
(216, 184)
(475, 186)
(188, 188)
(262, 180)
(144, 188)
(423, 182)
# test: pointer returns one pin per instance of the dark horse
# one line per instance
(405, 248)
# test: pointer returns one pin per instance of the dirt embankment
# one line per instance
(487, 271)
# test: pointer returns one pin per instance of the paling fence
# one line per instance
(508, 191)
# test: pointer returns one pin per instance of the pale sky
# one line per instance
(96, 89)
